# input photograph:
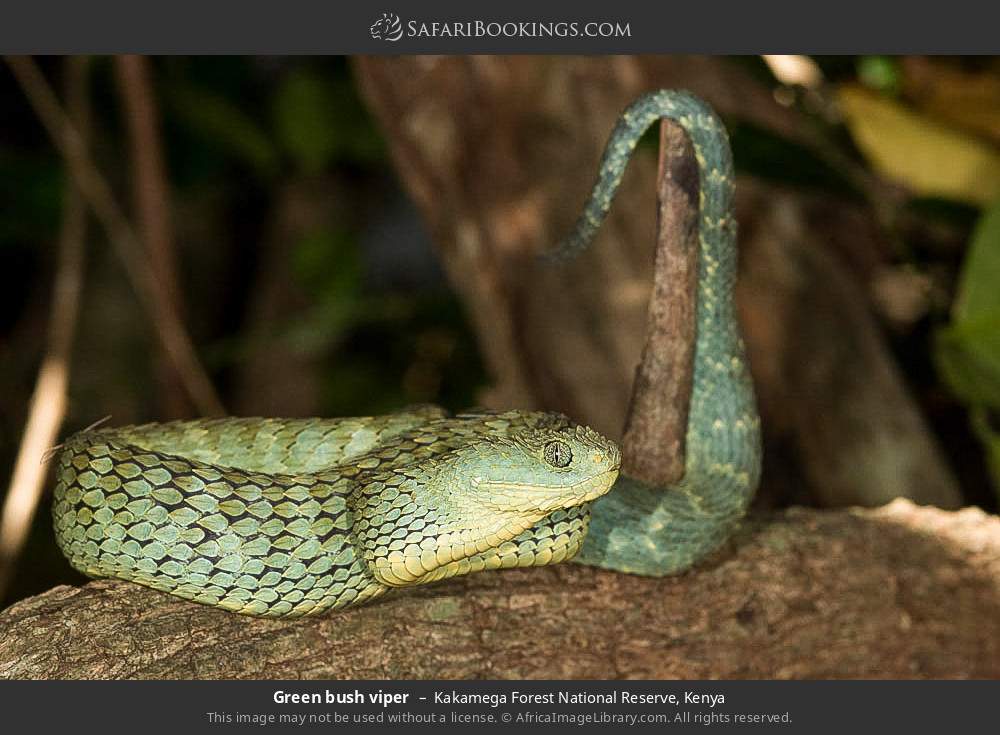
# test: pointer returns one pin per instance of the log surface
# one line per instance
(897, 592)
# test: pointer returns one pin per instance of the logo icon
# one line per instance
(387, 28)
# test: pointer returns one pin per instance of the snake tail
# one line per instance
(658, 531)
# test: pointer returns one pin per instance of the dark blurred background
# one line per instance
(313, 234)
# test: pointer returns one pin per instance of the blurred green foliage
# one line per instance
(968, 349)
(316, 129)
(223, 124)
(761, 153)
(881, 73)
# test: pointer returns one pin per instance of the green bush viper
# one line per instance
(293, 517)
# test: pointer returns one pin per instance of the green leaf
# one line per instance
(320, 120)
(213, 117)
(880, 73)
(327, 264)
(305, 120)
(326, 261)
(990, 440)
(979, 285)
(968, 357)
(967, 352)
(31, 190)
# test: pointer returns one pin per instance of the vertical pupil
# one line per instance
(558, 454)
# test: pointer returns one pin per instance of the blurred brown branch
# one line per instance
(98, 194)
(152, 204)
(48, 401)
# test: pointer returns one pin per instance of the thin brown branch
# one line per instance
(653, 446)
(152, 203)
(48, 401)
(98, 194)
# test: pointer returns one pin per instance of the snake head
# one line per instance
(537, 463)
(501, 478)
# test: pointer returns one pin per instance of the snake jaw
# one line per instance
(490, 523)
(529, 497)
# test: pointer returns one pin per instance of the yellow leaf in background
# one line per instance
(929, 158)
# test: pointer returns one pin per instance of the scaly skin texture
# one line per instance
(659, 531)
(293, 517)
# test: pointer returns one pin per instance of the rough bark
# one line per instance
(898, 592)
(498, 180)
(655, 437)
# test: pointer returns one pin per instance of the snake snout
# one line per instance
(614, 457)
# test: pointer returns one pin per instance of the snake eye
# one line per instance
(558, 454)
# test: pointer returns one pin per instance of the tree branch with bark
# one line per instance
(899, 592)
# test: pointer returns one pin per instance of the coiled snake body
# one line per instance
(292, 517)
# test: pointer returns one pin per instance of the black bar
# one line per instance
(183, 708)
(513, 26)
